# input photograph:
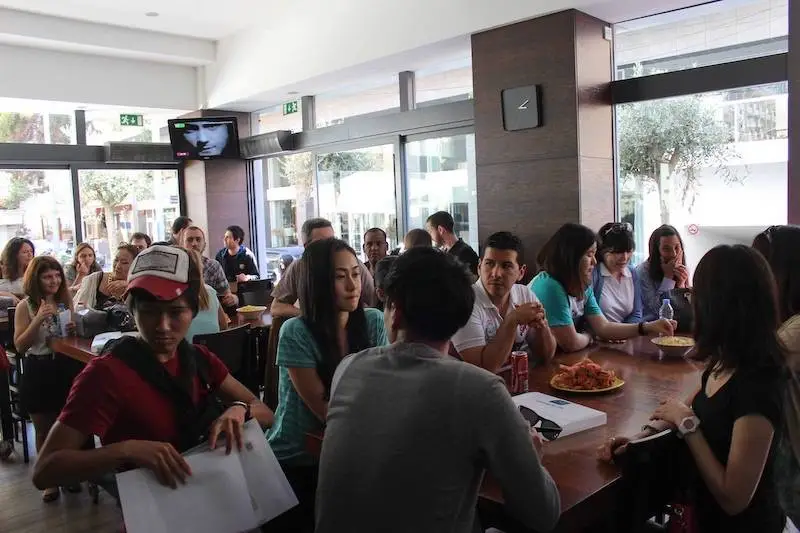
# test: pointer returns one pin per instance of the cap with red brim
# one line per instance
(163, 271)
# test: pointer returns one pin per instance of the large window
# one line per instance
(441, 177)
(713, 165)
(36, 127)
(441, 86)
(712, 33)
(290, 197)
(117, 203)
(357, 192)
(123, 125)
(37, 204)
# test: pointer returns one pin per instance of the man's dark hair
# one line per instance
(736, 314)
(237, 232)
(376, 230)
(144, 236)
(432, 290)
(310, 225)
(382, 270)
(561, 256)
(781, 246)
(180, 223)
(417, 237)
(505, 240)
(443, 219)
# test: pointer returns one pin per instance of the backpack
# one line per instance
(194, 421)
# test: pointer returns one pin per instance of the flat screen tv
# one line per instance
(204, 138)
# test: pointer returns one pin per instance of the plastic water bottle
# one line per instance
(666, 310)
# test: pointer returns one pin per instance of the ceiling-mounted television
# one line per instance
(204, 138)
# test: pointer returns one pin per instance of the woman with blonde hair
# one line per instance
(48, 377)
(210, 318)
(103, 289)
(83, 263)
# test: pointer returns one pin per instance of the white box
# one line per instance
(572, 417)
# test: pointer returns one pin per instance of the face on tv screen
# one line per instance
(204, 139)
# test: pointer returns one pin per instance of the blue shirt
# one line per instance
(560, 308)
(293, 418)
(207, 320)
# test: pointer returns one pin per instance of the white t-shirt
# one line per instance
(485, 320)
(616, 299)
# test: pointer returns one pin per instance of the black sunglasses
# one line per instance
(549, 429)
(618, 227)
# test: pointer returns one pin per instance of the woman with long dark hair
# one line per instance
(781, 246)
(83, 263)
(564, 286)
(16, 256)
(48, 377)
(614, 282)
(664, 270)
(104, 289)
(733, 426)
(331, 325)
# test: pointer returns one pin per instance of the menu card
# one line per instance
(571, 417)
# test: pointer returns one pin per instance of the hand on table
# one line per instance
(614, 447)
(241, 278)
(538, 442)
(230, 423)
(161, 458)
(672, 412)
(228, 300)
(662, 326)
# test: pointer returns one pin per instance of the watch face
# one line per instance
(688, 424)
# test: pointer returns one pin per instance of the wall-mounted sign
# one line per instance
(291, 107)
(522, 107)
(127, 119)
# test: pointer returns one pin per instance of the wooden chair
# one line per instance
(233, 347)
(258, 292)
(270, 369)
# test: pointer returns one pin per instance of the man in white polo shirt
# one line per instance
(507, 316)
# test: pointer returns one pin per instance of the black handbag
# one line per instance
(683, 312)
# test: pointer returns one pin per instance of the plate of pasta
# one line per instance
(585, 376)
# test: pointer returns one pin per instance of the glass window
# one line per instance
(37, 204)
(117, 203)
(37, 128)
(332, 109)
(709, 34)
(440, 87)
(104, 126)
(290, 197)
(273, 119)
(713, 165)
(441, 177)
(356, 192)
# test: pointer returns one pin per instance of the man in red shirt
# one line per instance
(139, 421)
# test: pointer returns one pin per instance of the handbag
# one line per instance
(683, 312)
(682, 518)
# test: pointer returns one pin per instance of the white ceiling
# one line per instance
(206, 19)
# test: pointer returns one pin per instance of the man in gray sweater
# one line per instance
(411, 430)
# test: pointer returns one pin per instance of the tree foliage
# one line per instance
(665, 143)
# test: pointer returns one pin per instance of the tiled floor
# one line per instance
(22, 509)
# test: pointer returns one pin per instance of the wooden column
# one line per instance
(532, 181)
(794, 113)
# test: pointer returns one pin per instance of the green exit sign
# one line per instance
(291, 107)
(131, 120)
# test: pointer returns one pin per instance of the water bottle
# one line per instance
(62, 319)
(666, 310)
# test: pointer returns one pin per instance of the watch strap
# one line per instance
(247, 415)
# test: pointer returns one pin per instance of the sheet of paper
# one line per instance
(269, 489)
(215, 498)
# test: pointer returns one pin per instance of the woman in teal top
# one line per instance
(331, 325)
(210, 318)
(564, 288)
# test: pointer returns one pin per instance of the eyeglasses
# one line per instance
(618, 227)
(768, 233)
(549, 429)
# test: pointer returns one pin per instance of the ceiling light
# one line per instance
(292, 93)
(151, 14)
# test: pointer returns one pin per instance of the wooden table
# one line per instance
(589, 488)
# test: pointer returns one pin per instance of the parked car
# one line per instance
(278, 260)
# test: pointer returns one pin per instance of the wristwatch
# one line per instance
(688, 425)
(247, 415)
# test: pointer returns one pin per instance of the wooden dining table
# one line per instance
(590, 489)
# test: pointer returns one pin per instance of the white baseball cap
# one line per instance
(163, 271)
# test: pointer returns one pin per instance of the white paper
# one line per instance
(101, 339)
(225, 493)
(572, 417)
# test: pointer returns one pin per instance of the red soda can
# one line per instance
(519, 372)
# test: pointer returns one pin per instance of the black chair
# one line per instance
(233, 347)
(258, 292)
(16, 374)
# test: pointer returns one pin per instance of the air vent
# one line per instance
(267, 144)
(156, 153)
